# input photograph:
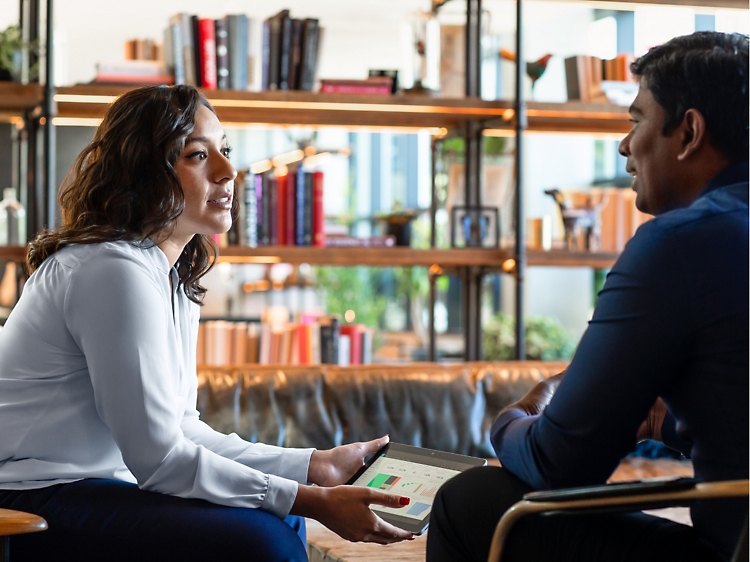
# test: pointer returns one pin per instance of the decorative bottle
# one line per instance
(12, 220)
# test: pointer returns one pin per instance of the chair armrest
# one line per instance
(615, 501)
(18, 522)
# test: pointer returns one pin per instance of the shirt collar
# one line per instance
(737, 173)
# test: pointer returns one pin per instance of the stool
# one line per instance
(16, 523)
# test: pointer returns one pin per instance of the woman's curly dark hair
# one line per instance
(123, 186)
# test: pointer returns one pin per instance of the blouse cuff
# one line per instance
(280, 496)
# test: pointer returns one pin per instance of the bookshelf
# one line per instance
(470, 117)
(87, 103)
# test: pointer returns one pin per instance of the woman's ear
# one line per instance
(693, 131)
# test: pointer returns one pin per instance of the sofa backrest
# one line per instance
(449, 407)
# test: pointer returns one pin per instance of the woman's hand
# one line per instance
(336, 466)
(346, 511)
(537, 399)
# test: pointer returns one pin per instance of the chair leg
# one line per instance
(4, 548)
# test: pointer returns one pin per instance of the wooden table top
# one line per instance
(18, 522)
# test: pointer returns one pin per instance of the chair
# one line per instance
(642, 495)
(16, 523)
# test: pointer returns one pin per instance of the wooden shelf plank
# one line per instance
(377, 257)
(399, 256)
(13, 253)
(305, 108)
(564, 258)
(16, 98)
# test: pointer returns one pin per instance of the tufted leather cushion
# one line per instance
(449, 407)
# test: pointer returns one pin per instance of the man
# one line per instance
(668, 341)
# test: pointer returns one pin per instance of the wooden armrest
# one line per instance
(18, 522)
(613, 502)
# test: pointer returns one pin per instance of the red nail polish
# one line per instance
(403, 500)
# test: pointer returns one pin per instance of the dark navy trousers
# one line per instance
(468, 507)
(114, 521)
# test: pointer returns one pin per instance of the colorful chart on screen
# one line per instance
(412, 472)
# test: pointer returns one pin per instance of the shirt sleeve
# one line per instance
(292, 464)
(628, 355)
(120, 318)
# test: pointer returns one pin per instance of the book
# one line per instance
(281, 210)
(253, 342)
(285, 51)
(377, 85)
(222, 53)
(291, 208)
(295, 56)
(273, 222)
(355, 342)
(343, 241)
(318, 216)
(198, 63)
(259, 184)
(264, 223)
(186, 35)
(307, 218)
(367, 337)
(174, 58)
(299, 201)
(266, 56)
(329, 341)
(583, 78)
(207, 43)
(309, 57)
(200, 347)
(345, 346)
(238, 51)
(251, 211)
(274, 48)
(239, 347)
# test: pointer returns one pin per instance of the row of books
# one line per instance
(280, 210)
(290, 52)
(324, 341)
(584, 75)
(219, 53)
(143, 49)
(619, 217)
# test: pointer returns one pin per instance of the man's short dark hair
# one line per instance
(707, 71)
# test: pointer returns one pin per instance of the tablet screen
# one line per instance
(414, 473)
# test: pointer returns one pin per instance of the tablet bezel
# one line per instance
(426, 457)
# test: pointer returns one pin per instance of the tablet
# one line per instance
(412, 472)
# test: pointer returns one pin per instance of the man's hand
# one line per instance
(346, 511)
(651, 426)
(537, 399)
(336, 466)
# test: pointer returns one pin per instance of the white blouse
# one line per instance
(98, 380)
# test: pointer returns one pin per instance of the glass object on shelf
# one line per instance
(425, 53)
(12, 220)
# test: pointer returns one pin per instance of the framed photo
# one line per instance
(475, 227)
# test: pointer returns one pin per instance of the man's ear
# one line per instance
(693, 131)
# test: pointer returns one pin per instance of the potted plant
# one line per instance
(11, 52)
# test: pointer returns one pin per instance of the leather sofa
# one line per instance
(449, 407)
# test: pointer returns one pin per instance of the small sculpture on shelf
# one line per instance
(534, 70)
(581, 216)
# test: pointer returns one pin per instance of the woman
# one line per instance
(97, 368)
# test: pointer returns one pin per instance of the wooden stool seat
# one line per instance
(17, 523)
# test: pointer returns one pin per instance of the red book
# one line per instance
(207, 42)
(374, 85)
(354, 331)
(290, 236)
(319, 219)
(301, 331)
(281, 203)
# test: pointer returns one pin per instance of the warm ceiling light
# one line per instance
(288, 158)
(316, 160)
(509, 265)
(349, 316)
(260, 167)
(280, 171)
(310, 151)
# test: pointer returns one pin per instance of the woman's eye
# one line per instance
(226, 151)
(198, 155)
